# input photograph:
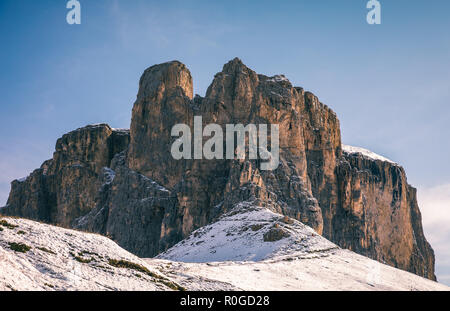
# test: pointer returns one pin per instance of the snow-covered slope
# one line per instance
(340, 270)
(250, 248)
(365, 152)
(249, 233)
(52, 258)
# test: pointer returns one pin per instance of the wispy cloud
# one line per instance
(435, 204)
(178, 28)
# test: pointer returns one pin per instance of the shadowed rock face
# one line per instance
(128, 186)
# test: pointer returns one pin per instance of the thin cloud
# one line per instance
(434, 203)
(154, 27)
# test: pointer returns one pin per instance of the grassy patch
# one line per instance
(83, 253)
(131, 265)
(6, 224)
(46, 250)
(173, 285)
(21, 232)
(19, 247)
(49, 285)
(256, 227)
(81, 259)
(137, 267)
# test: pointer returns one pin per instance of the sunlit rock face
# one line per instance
(126, 185)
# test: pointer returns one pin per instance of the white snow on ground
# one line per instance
(61, 259)
(293, 257)
(278, 78)
(239, 236)
(365, 152)
(231, 252)
(337, 270)
(121, 130)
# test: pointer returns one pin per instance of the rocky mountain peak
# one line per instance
(127, 185)
(235, 66)
(164, 78)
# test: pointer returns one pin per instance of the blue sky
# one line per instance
(388, 83)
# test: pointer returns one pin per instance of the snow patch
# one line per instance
(122, 130)
(278, 78)
(62, 259)
(365, 152)
(108, 175)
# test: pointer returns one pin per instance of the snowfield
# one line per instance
(61, 259)
(250, 248)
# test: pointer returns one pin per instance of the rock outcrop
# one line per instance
(65, 187)
(128, 186)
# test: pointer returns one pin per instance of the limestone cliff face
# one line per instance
(163, 100)
(65, 187)
(322, 150)
(392, 232)
(129, 187)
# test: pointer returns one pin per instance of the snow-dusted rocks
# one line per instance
(367, 153)
(35, 256)
(249, 233)
(234, 252)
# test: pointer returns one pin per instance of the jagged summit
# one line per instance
(127, 186)
(235, 66)
(165, 77)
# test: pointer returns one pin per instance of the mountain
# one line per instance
(127, 186)
(286, 255)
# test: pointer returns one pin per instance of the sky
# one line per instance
(388, 83)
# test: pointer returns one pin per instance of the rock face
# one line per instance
(128, 186)
(65, 187)
(390, 233)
